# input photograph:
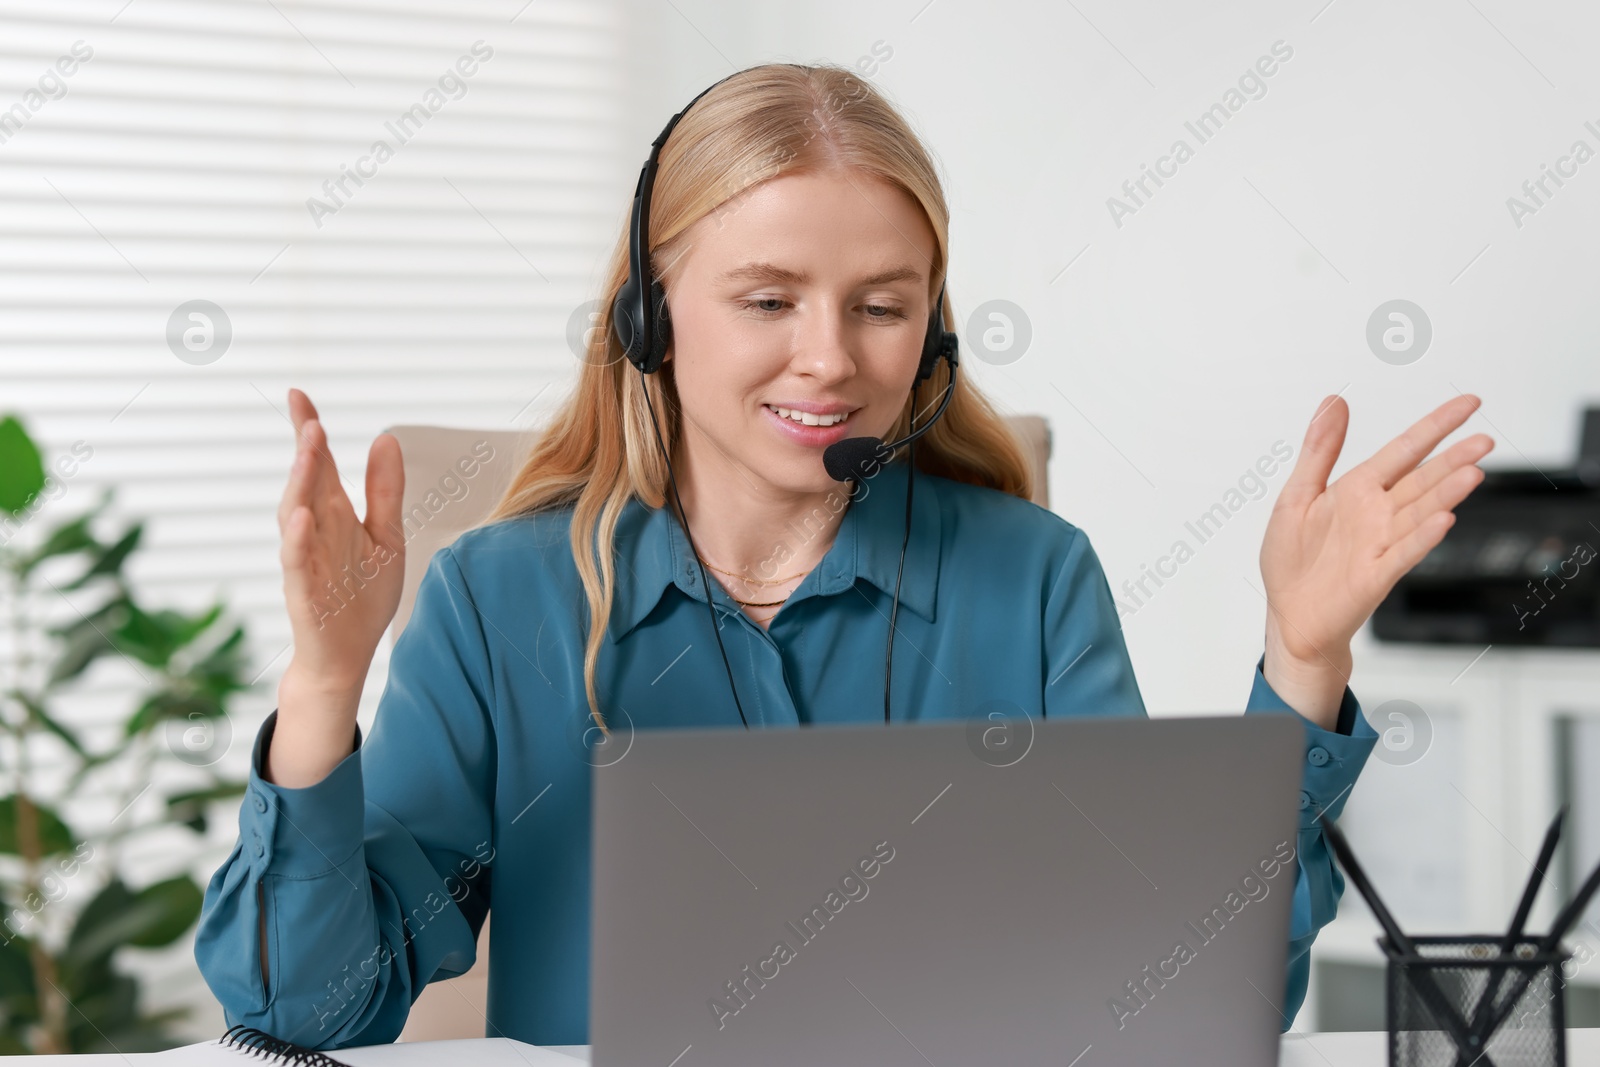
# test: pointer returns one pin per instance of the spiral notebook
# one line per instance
(260, 1043)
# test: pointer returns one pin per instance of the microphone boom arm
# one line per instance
(852, 457)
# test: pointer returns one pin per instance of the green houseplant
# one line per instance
(68, 910)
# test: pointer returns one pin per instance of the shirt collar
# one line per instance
(652, 552)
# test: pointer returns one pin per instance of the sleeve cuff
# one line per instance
(301, 832)
(1333, 759)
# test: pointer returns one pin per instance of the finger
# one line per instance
(386, 482)
(300, 408)
(1443, 497)
(328, 489)
(302, 412)
(1411, 488)
(1396, 459)
(310, 431)
(297, 492)
(299, 534)
(317, 460)
(1407, 552)
(1319, 451)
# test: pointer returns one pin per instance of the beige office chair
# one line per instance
(454, 477)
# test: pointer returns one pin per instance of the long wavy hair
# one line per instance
(600, 449)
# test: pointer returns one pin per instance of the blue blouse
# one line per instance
(473, 785)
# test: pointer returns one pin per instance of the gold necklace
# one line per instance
(757, 603)
(751, 581)
(754, 603)
(768, 618)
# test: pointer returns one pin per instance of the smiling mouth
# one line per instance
(805, 418)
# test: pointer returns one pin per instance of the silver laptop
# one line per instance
(1078, 893)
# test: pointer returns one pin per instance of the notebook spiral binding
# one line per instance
(261, 1043)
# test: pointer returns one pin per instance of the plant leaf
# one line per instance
(65, 539)
(218, 672)
(37, 712)
(211, 794)
(108, 616)
(144, 636)
(54, 835)
(111, 559)
(83, 642)
(18, 1002)
(175, 905)
(94, 760)
(191, 808)
(95, 934)
(21, 470)
(188, 627)
(171, 704)
(105, 1008)
(156, 915)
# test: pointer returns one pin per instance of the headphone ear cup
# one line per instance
(941, 345)
(938, 343)
(624, 324)
(934, 344)
(661, 332)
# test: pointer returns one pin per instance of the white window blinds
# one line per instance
(394, 206)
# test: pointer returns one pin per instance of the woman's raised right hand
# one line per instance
(342, 579)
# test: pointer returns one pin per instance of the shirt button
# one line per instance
(1305, 800)
(260, 802)
(261, 850)
(1318, 756)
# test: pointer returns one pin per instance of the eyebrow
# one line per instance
(771, 272)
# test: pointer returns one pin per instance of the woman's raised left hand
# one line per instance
(1332, 552)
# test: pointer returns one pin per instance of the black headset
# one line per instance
(644, 329)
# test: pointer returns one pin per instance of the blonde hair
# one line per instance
(600, 449)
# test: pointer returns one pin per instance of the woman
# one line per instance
(800, 231)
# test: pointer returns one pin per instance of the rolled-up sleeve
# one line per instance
(372, 882)
(1331, 762)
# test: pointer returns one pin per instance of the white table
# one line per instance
(1370, 1049)
(1366, 1049)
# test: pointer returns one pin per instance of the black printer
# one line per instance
(1521, 565)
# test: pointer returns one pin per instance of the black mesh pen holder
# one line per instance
(1433, 997)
